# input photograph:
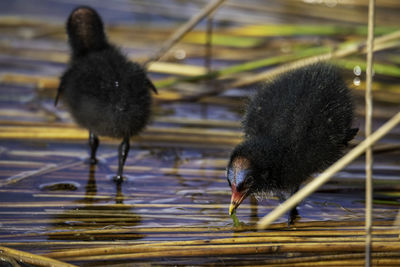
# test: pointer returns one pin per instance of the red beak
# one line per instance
(236, 200)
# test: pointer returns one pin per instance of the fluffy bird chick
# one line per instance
(105, 93)
(294, 126)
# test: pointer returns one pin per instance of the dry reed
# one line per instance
(33, 259)
(368, 130)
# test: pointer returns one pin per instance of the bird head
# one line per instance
(249, 170)
(240, 178)
(85, 31)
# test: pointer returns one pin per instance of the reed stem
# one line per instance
(188, 26)
(33, 259)
(342, 52)
(368, 130)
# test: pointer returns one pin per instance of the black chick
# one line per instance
(105, 93)
(294, 126)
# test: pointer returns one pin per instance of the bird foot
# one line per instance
(91, 161)
(118, 179)
(293, 216)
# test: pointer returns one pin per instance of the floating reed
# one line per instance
(307, 229)
(290, 30)
(29, 258)
(156, 134)
(214, 243)
(339, 53)
(382, 69)
(328, 259)
(322, 52)
(198, 73)
(340, 12)
(350, 262)
(154, 251)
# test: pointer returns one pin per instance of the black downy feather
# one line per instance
(104, 91)
(295, 125)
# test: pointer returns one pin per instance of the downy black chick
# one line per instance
(294, 126)
(104, 91)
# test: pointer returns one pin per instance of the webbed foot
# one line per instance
(118, 179)
(94, 144)
(91, 161)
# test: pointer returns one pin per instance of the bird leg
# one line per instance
(122, 154)
(293, 214)
(91, 188)
(94, 144)
(119, 197)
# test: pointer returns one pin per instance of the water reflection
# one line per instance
(97, 213)
(91, 188)
(253, 210)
